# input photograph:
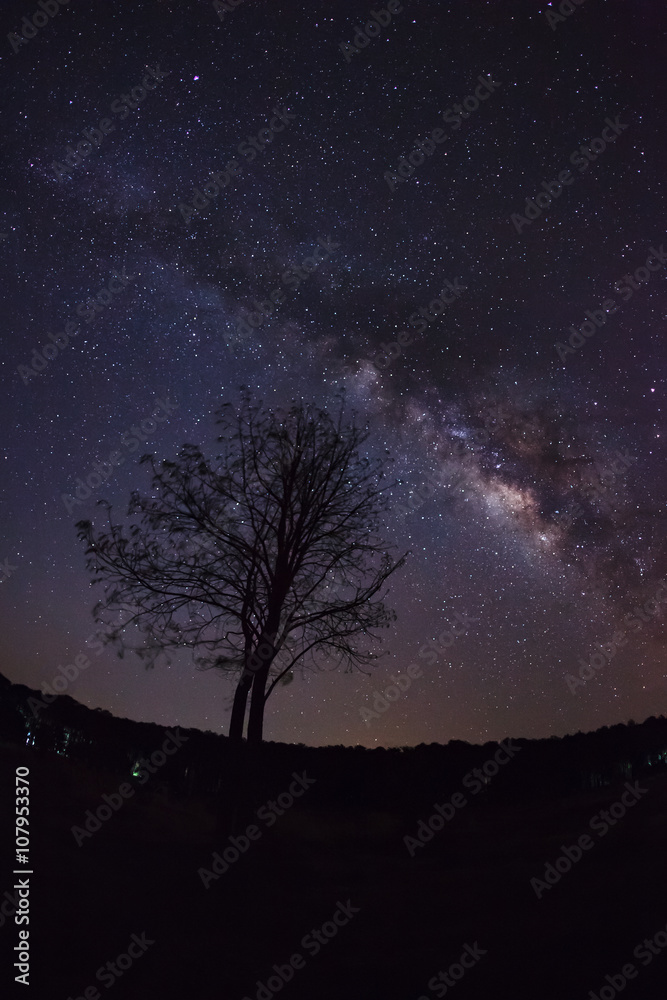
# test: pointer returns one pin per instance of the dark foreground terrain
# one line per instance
(403, 918)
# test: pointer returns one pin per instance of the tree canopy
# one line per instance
(256, 559)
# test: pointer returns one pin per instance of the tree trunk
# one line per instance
(257, 702)
(238, 708)
(260, 664)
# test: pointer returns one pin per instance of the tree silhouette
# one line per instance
(254, 561)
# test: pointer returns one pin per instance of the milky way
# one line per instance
(199, 198)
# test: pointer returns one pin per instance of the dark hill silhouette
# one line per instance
(149, 863)
(406, 776)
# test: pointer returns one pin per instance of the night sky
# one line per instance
(536, 472)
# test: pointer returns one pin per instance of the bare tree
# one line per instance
(255, 560)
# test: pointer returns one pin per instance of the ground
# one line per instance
(469, 885)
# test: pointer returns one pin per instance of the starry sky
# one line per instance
(530, 476)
